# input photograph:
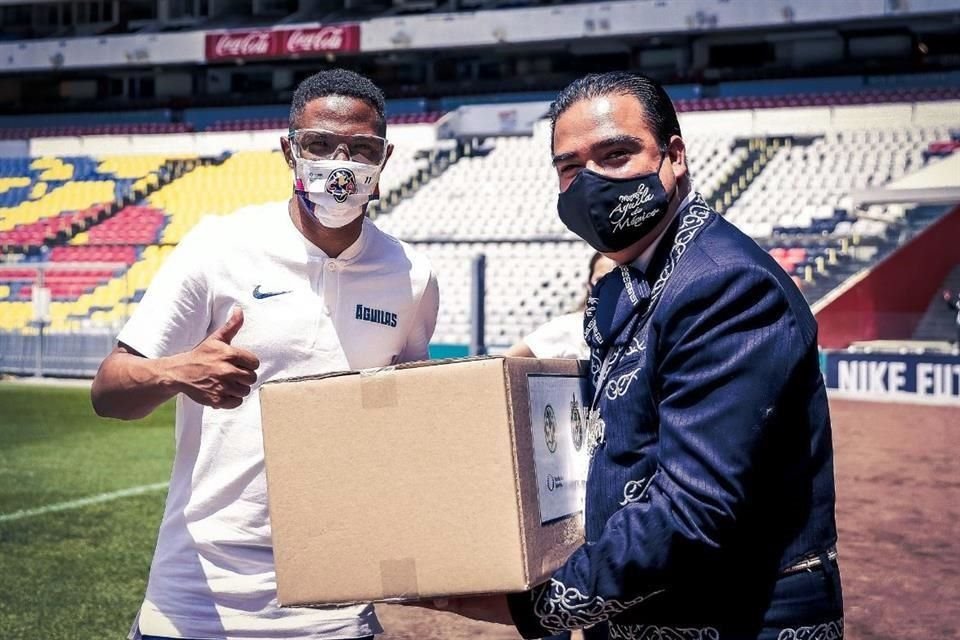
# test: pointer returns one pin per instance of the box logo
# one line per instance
(576, 423)
(550, 428)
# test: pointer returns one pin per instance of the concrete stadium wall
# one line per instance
(888, 302)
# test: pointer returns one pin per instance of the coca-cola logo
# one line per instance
(275, 42)
(311, 40)
(254, 43)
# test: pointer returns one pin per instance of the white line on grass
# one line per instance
(82, 502)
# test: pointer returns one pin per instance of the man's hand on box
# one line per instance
(482, 608)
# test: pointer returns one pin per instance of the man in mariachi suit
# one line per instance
(710, 495)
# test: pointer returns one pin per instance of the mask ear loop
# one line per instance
(299, 189)
(676, 183)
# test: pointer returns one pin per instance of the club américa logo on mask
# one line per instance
(341, 183)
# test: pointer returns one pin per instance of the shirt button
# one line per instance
(331, 266)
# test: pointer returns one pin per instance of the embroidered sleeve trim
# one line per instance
(559, 607)
(832, 630)
(654, 632)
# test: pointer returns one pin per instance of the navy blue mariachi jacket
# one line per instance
(714, 468)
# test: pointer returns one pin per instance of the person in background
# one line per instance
(562, 337)
(953, 303)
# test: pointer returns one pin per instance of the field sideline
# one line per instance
(78, 570)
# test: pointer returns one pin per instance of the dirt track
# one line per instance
(898, 508)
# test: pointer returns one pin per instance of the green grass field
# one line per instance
(79, 572)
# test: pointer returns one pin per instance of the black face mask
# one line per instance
(613, 213)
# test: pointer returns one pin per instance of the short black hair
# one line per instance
(659, 110)
(339, 82)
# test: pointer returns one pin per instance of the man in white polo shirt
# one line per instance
(301, 287)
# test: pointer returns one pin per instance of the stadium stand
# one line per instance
(56, 198)
(515, 197)
(134, 224)
(113, 249)
(790, 192)
(257, 124)
(71, 196)
(152, 121)
(816, 99)
(413, 111)
(23, 133)
(527, 284)
(939, 323)
(803, 187)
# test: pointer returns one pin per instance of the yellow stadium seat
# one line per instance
(246, 178)
(55, 168)
(13, 183)
(137, 166)
(39, 190)
(72, 196)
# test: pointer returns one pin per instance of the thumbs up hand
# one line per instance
(214, 373)
(230, 328)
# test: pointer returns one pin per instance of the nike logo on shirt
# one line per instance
(260, 295)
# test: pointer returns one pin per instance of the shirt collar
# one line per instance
(352, 252)
(348, 255)
(643, 260)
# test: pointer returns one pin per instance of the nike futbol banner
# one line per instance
(930, 377)
(278, 43)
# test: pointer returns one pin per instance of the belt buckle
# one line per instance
(809, 563)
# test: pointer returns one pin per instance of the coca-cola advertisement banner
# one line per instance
(274, 43)
(319, 40)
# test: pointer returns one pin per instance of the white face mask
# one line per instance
(335, 191)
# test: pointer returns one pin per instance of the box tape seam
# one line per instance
(378, 388)
(398, 579)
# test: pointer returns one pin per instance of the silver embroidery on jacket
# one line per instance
(694, 218)
(832, 630)
(618, 387)
(636, 346)
(634, 491)
(654, 632)
(559, 607)
(596, 364)
(591, 307)
(594, 431)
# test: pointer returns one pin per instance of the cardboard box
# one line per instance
(430, 479)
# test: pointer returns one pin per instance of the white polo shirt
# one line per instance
(304, 313)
